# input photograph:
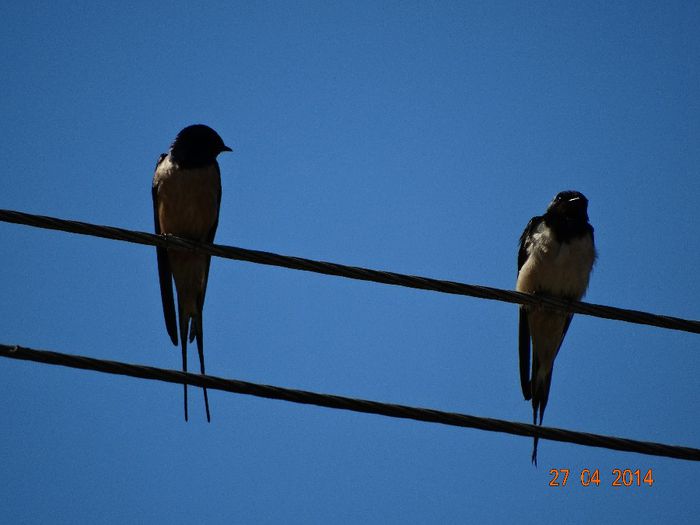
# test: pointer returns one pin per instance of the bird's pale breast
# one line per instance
(561, 269)
(188, 199)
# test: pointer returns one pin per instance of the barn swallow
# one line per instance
(186, 199)
(555, 258)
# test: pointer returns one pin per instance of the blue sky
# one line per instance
(409, 136)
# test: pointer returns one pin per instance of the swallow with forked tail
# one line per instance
(186, 198)
(555, 258)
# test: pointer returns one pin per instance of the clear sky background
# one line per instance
(416, 137)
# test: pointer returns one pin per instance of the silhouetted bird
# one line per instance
(556, 256)
(186, 198)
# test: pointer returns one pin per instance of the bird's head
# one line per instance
(571, 205)
(197, 145)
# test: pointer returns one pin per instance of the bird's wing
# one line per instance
(196, 328)
(523, 327)
(210, 236)
(526, 240)
(164, 271)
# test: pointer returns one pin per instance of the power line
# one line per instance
(347, 403)
(352, 272)
(339, 402)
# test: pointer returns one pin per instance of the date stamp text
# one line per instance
(560, 477)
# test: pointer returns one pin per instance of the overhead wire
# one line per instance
(352, 272)
(351, 404)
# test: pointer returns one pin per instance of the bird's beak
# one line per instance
(226, 148)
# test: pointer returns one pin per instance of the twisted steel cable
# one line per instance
(352, 404)
(352, 272)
